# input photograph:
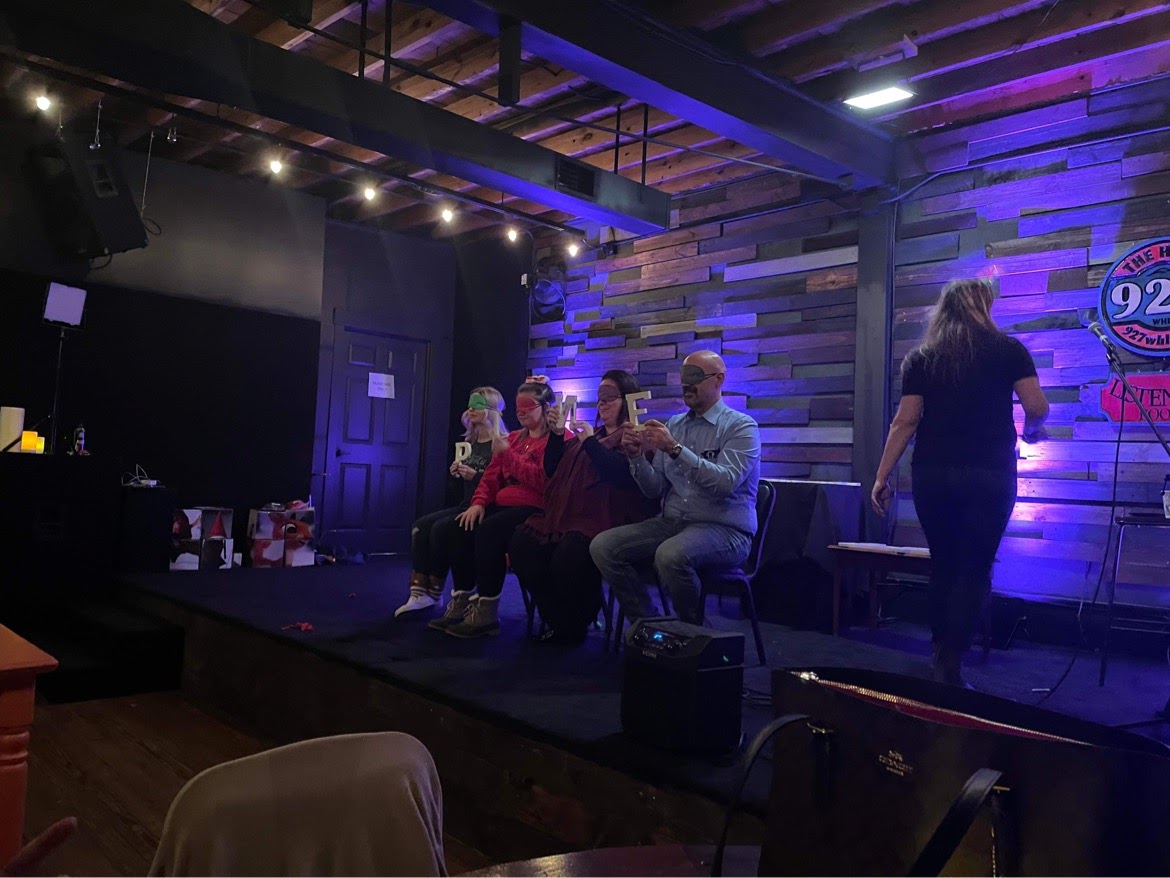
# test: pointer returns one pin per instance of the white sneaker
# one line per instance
(417, 601)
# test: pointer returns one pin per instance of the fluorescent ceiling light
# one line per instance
(879, 98)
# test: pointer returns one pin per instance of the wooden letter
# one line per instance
(632, 400)
(569, 410)
(462, 451)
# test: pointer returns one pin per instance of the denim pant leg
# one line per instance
(618, 552)
(677, 562)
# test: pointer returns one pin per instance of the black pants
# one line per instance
(562, 578)
(430, 541)
(964, 512)
(478, 557)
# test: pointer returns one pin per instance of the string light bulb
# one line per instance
(513, 235)
(276, 166)
(448, 214)
(369, 192)
(44, 103)
(574, 249)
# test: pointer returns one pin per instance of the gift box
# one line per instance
(209, 554)
(276, 524)
(266, 553)
(202, 522)
(298, 552)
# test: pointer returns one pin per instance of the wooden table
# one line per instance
(20, 664)
(873, 563)
(684, 860)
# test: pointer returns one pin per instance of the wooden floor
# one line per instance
(116, 765)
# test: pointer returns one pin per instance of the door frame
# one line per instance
(356, 322)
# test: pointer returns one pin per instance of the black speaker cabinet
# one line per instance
(683, 687)
(87, 206)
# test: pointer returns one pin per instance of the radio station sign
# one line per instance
(1153, 390)
(1135, 300)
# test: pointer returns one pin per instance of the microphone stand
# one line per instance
(1118, 369)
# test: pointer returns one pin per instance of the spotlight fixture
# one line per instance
(276, 166)
(448, 214)
(369, 192)
(172, 135)
(513, 235)
(879, 98)
(574, 249)
(44, 103)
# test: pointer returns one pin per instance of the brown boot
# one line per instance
(454, 612)
(420, 597)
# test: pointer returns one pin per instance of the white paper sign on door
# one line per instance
(381, 385)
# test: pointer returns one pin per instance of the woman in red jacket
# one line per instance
(511, 489)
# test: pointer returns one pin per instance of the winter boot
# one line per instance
(454, 612)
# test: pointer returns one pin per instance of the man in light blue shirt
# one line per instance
(706, 467)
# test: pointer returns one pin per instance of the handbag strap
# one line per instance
(957, 821)
(749, 759)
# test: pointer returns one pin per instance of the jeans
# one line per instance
(964, 512)
(479, 557)
(679, 551)
(430, 541)
(562, 579)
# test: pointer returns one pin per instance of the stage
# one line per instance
(527, 735)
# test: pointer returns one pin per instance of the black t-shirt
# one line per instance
(481, 456)
(967, 420)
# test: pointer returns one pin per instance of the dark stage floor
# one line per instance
(570, 697)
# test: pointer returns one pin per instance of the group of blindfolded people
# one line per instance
(568, 503)
(571, 504)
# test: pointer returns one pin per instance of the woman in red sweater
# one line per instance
(512, 488)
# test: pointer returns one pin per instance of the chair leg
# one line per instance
(607, 610)
(617, 630)
(749, 603)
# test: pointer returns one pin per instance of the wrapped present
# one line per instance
(275, 524)
(210, 554)
(298, 552)
(266, 553)
(202, 522)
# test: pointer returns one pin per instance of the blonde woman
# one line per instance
(430, 536)
(957, 396)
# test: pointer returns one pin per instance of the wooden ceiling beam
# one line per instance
(882, 33)
(1071, 67)
(629, 163)
(616, 47)
(708, 15)
(988, 44)
(788, 24)
(413, 35)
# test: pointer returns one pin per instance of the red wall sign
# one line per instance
(1152, 389)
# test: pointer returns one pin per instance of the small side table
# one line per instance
(20, 665)
(872, 562)
(1148, 563)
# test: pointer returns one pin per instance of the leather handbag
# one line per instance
(883, 774)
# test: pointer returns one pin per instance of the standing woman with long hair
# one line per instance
(430, 535)
(957, 396)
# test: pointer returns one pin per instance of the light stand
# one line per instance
(56, 395)
(64, 307)
(1118, 369)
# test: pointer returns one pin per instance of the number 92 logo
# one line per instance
(1135, 300)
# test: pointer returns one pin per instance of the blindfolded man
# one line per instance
(706, 467)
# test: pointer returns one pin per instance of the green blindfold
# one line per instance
(477, 402)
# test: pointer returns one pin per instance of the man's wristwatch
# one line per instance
(676, 451)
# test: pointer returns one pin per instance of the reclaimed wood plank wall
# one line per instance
(774, 293)
(1044, 201)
